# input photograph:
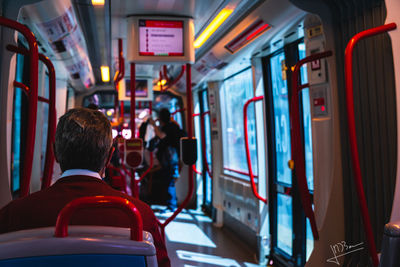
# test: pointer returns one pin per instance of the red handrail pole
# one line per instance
(123, 204)
(52, 123)
(120, 173)
(296, 143)
(119, 74)
(133, 98)
(134, 182)
(32, 100)
(52, 120)
(22, 86)
(178, 110)
(238, 171)
(164, 74)
(171, 83)
(246, 143)
(196, 171)
(352, 132)
(190, 135)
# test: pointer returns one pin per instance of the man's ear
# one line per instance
(110, 156)
(54, 152)
(102, 171)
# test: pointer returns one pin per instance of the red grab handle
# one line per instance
(352, 132)
(246, 143)
(97, 202)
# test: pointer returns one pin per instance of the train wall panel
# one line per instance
(239, 202)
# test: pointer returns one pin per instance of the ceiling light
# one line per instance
(105, 73)
(212, 27)
(98, 2)
(162, 82)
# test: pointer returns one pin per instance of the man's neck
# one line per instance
(84, 172)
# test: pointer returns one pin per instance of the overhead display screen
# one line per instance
(160, 38)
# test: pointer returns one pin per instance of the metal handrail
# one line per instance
(352, 132)
(171, 83)
(123, 204)
(52, 118)
(119, 75)
(190, 135)
(32, 100)
(296, 143)
(246, 144)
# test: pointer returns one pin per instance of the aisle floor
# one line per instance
(192, 240)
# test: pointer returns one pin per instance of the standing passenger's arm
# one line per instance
(157, 129)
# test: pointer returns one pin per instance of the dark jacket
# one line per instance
(41, 209)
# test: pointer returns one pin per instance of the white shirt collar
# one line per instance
(73, 172)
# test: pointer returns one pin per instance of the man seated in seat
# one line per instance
(83, 148)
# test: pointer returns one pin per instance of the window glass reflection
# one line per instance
(305, 97)
(234, 94)
(285, 223)
(281, 117)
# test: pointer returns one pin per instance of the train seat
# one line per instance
(98, 246)
(391, 245)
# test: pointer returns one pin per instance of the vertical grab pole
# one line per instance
(32, 99)
(352, 132)
(296, 144)
(52, 124)
(119, 76)
(134, 182)
(190, 135)
(246, 144)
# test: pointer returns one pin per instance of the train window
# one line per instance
(174, 107)
(199, 162)
(20, 104)
(235, 91)
(281, 113)
(44, 109)
(287, 218)
(285, 223)
(207, 137)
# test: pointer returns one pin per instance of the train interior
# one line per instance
(281, 166)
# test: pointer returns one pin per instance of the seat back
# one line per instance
(391, 245)
(84, 246)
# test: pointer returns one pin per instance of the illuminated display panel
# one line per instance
(160, 38)
(142, 88)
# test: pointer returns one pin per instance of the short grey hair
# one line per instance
(83, 140)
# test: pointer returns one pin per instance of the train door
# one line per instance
(291, 235)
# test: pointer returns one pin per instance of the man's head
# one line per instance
(83, 140)
(164, 115)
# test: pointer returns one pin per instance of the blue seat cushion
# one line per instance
(77, 260)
